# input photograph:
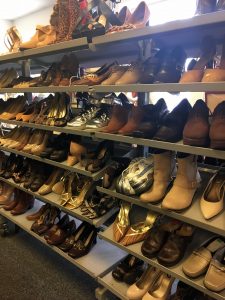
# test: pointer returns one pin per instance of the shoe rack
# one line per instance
(100, 261)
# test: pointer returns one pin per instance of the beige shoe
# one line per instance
(198, 262)
(215, 276)
(137, 290)
(7, 194)
(52, 180)
(132, 75)
(212, 200)
(40, 36)
(42, 146)
(164, 170)
(185, 185)
(161, 289)
(34, 139)
(116, 74)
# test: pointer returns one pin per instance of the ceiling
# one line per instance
(14, 9)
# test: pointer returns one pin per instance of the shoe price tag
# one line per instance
(215, 245)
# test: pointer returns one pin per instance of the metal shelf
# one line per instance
(175, 271)
(53, 199)
(192, 215)
(65, 129)
(162, 87)
(73, 45)
(187, 31)
(162, 145)
(100, 259)
(46, 89)
(117, 288)
(77, 168)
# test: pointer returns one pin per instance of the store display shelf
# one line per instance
(66, 129)
(100, 259)
(161, 87)
(117, 288)
(220, 154)
(46, 89)
(73, 45)
(53, 199)
(192, 215)
(171, 32)
(175, 271)
(78, 169)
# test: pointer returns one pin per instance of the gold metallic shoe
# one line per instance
(122, 222)
(138, 232)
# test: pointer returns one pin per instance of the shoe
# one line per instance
(144, 284)
(85, 243)
(39, 148)
(217, 138)
(205, 6)
(7, 194)
(25, 203)
(132, 75)
(59, 236)
(139, 231)
(122, 222)
(164, 171)
(196, 130)
(184, 292)
(172, 66)
(13, 39)
(128, 270)
(116, 73)
(79, 122)
(118, 119)
(220, 5)
(198, 262)
(215, 276)
(64, 221)
(46, 188)
(186, 183)
(174, 248)
(196, 69)
(172, 126)
(135, 118)
(212, 200)
(40, 37)
(161, 289)
(76, 151)
(36, 216)
(100, 120)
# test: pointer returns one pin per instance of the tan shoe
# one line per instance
(212, 200)
(7, 194)
(215, 276)
(118, 119)
(198, 262)
(52, 180)
(140, 16)
(40, 36)
(164, 170)
(34, 138)
(122, 222)
(41, 146)
(49, 39)
(132, 75)
(116, 74)
(185, 184)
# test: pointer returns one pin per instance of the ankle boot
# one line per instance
(25, 203)
(118, 120)
(7, 194)
(164, 170)
(135, 118)
(205, 6)
(50, 37)
(41, 34)
(185, 185)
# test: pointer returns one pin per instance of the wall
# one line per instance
(27, 25)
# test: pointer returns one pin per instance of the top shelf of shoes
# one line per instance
(187, 32)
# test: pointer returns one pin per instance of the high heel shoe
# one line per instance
(69, 184)
(13, 39)
(59, 236)
(42, 146)
(76, 151)
(64, 221)
(46, 188)
(122, 222)
(161, 289)
(139, 231)
(35, 216)
(85, 243)
(144, 284)
(64, 114)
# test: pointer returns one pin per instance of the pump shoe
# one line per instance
(217, 128)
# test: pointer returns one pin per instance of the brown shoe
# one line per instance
(36, 216)
(196, 130)
(7, 194)
(134, 120)
(118, 120)
(25, 203)
(217, 129)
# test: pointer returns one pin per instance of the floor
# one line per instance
(31, 271)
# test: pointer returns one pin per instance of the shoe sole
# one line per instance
(196, 142)
(217, 144)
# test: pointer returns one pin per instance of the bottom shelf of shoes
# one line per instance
(175, 271)
(117, 288)
(101, 259)
(53, 199)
